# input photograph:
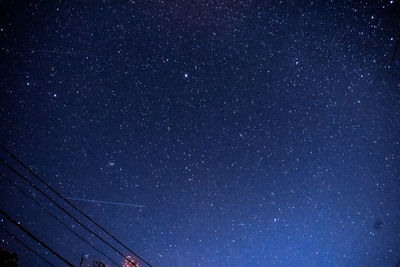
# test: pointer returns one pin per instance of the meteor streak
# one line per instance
(105, 202)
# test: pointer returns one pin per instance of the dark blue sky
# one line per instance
(255, 133)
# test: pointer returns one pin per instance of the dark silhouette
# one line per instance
(5, 215)
(8, 259)
(82, 260)
(67, 201)
(98, 263)
(395, 49)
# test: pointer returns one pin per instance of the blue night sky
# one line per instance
(252, 133)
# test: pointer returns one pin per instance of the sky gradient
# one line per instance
(250, 133)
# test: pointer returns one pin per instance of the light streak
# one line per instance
(105, 202)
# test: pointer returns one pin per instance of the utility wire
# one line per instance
(34, 237)
(56, 218)
(61, 208)
(26, 246)
(72, 205)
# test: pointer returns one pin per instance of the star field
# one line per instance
(250, 133)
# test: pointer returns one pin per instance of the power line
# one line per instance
(35, 238)
(55, 217)
(61, 208)
(26, 246)
(72, 205)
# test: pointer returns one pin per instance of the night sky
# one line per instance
(252, 133)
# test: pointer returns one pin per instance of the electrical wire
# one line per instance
(56, 218)
(26, 246)
(8, 217)
(72, 205)
(61, 208)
